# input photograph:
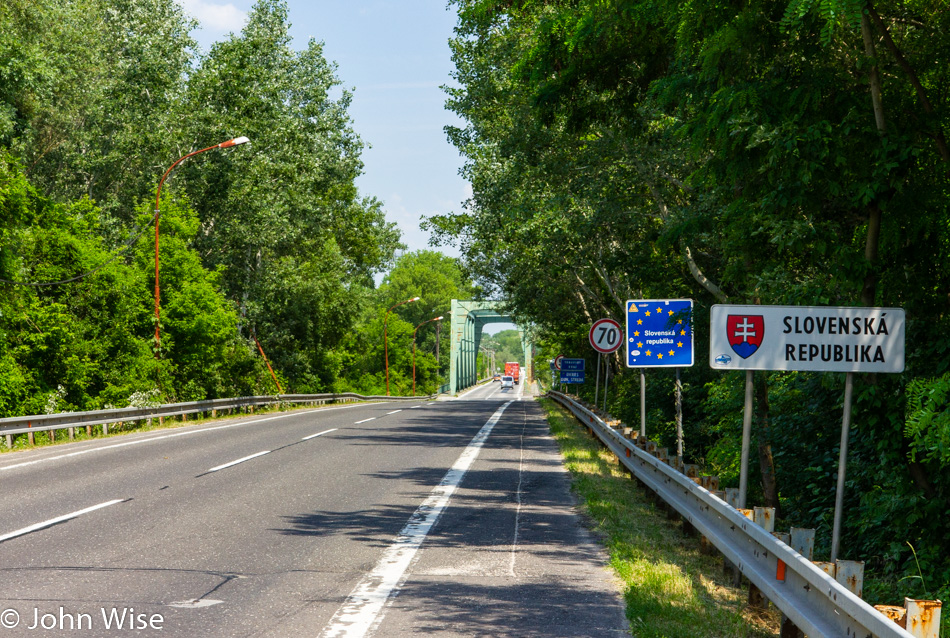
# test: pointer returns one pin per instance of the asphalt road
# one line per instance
(451, 518)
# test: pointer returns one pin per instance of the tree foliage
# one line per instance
(267, 243)
(775, 152)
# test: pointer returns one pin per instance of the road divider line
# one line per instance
(58, 519)
(313, 436)
(364, 420)
(393, 412)
(233, 463)
(363, 609)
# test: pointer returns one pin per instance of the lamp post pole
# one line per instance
(386, 337)
(233, 142)
(414, 350)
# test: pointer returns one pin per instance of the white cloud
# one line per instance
(216, 17)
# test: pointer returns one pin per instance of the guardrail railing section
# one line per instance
(102, 419)
(815, 598)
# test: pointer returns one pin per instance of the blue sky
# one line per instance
(394, 56)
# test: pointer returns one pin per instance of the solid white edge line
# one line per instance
(363, 609)
(232, 463)
(58, 519)
(176, 434)
(364, 420)
(313, 436)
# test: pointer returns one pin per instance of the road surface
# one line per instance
(450, 518)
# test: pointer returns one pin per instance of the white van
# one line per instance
(507, 382)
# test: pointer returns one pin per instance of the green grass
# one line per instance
(671, 589)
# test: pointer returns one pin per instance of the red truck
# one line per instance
(513, 370)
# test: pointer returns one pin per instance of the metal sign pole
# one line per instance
(679, 415)
(606, 379)
(746, 439)
(597, 382)
(643, 402)
(842, 464)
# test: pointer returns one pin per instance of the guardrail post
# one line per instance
(729, 570)
(72, 433)
(88, 430)
(31, 438)
(10, 441)
(850, 573)
(732, 496)
(214, 413)
(52, 436)
(764, 517)
(787, 627)
(803, 541)
(923, 617)
(105, 428)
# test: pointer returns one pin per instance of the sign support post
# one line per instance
(842, 464)
(606, 380)
(597, 382)
(643, 402)
(679, 415)
(746, 440)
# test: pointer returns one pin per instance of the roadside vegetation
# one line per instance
(779, 152)
(671, 589)
(265, 246)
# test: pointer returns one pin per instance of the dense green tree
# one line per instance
(766, 152)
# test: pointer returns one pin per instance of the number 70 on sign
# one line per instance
(605, 336)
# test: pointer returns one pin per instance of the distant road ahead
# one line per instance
(305, 524)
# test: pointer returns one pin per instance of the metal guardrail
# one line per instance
(815, 602)
(64, 420)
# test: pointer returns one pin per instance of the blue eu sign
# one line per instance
(659, 333)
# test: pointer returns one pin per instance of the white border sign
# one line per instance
(605, 336)
(806, 338)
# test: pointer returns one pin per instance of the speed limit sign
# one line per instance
(605, 335)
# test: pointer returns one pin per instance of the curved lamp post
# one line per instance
(234, 142)
(386, 338)
(414, 350)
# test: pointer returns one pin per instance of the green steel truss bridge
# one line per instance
(468, 320)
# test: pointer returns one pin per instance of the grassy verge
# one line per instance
(671, 589)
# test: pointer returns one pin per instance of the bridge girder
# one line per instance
(468, 320)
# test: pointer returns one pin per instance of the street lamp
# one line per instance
(386, 338)
(414, 350)
(234, 142)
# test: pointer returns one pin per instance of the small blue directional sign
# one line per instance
(572, 370)
(659, 333)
